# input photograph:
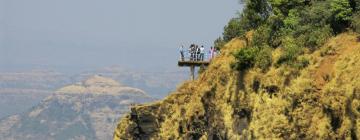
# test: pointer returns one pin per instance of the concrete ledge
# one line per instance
(193, 63)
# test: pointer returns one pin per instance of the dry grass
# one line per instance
(283, 103)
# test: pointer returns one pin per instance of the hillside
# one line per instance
(85, 110)
(319, 101)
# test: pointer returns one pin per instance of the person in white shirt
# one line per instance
(202, 53)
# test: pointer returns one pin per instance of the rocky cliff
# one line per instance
(86, 110)
(320, 101)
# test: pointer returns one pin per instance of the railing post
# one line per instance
(192, 72)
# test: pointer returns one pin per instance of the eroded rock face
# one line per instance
(320, 101)
(87, 110)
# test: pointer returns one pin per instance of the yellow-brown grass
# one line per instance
(321, 101)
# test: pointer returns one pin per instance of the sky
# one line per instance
(78, 35)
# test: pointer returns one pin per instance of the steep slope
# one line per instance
(321, 101)
(86, 110)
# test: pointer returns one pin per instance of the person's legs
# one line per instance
(182, 56)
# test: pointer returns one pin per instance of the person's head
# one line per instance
(202, 46)
(211, 47)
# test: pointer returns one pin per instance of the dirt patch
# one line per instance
(324, 72)
(342, 45)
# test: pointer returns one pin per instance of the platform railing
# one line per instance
(196, 57)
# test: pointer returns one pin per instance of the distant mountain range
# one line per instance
(87, 110)
(19, 91)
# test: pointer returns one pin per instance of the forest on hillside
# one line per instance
(297, 26)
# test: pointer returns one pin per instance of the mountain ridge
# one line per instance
(307, 103)
(66, 114)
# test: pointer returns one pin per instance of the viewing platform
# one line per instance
(193, 61)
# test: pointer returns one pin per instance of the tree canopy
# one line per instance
(308, 22)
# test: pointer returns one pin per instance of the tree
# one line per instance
(341, 9)
(233, 29)
(219, 43)
(254, 14)
(342, 12)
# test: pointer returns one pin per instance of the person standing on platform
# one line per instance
(197, 53)
(191, 51)
(202, 53)
(212, 52)
(182, 52)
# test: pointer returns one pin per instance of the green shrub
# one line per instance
(245, 58)
(219, 43)
(249, 57)
(355, 22)
(290, 53)
(341, 10)
(263, 59)
(356, 4)
(233, 29)
(315, 37)
(302, 62)
(261, 36)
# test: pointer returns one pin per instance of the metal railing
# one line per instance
(196, 56)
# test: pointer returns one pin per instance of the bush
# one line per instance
(341, 10)
(291, 52)
(219, 43)
(355, 22)
(315, 37)
(249, 57)
(302, 62)
(357, 4)
(311, 25)
(264, 58)
(232, 30)
(245, 58)
(261, 36)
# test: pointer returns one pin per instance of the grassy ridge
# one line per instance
(319, 101)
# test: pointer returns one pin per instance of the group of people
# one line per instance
(197, 53)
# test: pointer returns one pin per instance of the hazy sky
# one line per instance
(74, 35)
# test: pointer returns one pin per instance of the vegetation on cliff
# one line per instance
(289, 70)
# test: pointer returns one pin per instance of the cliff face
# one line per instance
(320, 101)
